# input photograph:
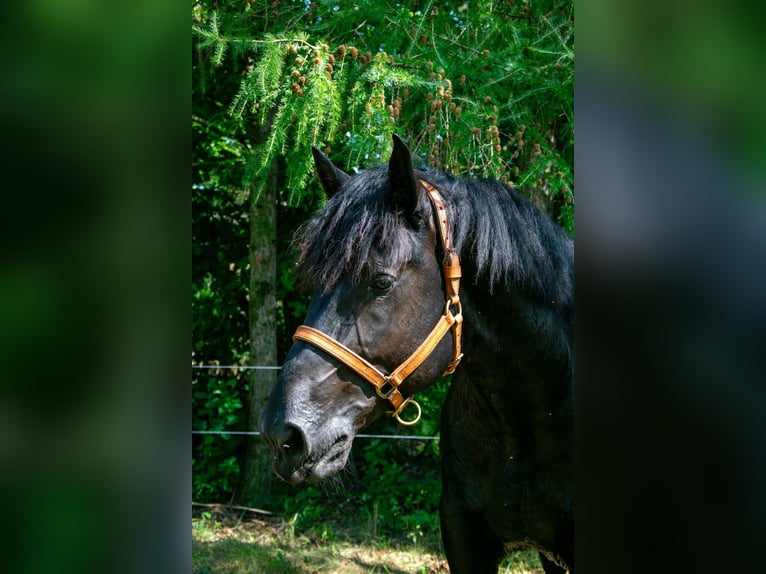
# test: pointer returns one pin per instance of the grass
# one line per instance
(237, 543)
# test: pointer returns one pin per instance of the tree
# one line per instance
(257, 476)
(481, 89)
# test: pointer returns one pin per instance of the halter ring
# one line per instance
(401, 408)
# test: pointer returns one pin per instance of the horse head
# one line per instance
(373, 254)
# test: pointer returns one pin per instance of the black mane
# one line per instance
(497, 232)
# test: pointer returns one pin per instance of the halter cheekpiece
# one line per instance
(387, 386)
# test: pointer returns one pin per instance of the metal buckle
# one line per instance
(450, 304)
(458, 307)
(386, 394)
(385, 391)
(452, 365)
(401, 408)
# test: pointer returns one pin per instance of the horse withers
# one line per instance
(418, 273)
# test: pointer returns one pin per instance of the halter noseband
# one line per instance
(387, 386)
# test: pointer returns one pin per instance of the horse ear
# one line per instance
(402, 185)
(329, 176)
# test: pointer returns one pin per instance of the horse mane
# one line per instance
(504, 238)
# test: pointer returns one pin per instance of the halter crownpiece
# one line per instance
(387, 386)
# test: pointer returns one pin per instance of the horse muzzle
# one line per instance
(297, 460)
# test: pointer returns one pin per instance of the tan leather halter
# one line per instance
(387, 386)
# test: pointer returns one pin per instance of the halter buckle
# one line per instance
(453, 365)
(386, 389)
(458, 307)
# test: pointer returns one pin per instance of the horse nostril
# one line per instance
(291, 443)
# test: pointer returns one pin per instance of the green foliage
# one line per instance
(217, 406)
(485, 91)
(402, 485)
(395, 485)
(220, 231)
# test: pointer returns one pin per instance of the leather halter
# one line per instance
(387, 386)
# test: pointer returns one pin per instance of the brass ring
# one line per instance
(413, 421)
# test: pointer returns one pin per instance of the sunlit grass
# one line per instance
(242, 545)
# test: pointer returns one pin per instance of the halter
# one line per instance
(387, 386)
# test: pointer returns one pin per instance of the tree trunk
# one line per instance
(255, 485)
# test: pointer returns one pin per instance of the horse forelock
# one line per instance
(354, 228)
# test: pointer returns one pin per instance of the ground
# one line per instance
(244, 542)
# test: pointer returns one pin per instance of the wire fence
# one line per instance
(381, 436)
(243, 367)
(256, 433)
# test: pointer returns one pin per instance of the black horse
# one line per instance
(385, 322)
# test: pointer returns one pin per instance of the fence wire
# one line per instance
(383, 436)
(242, 367)
(256, 433)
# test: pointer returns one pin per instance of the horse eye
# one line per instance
(383, 283)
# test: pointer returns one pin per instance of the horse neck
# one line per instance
(518, 348)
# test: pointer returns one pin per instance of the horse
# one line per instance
(417, 273)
